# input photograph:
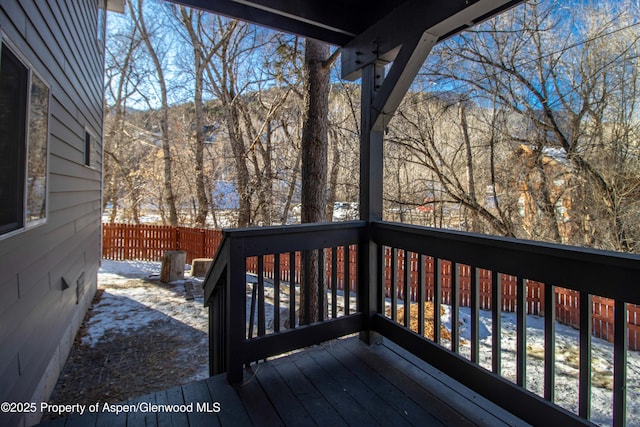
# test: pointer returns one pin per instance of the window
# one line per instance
(101, 24)
(89, 149)
(24, 121)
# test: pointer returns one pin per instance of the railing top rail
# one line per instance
(599, 272)
(277, 230)
(299, 237)
(247, 242)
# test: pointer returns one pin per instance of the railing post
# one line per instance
(236, 319)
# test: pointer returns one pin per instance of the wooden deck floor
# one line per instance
(342, 382)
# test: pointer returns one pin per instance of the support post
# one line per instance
(380, 98)
(371, 170)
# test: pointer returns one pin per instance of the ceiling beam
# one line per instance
(320, 14)
(381, 42)
(281, 21)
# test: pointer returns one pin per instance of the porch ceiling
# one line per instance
(367, 30)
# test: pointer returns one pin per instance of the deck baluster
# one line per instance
(261, 299)
(455, 307)
(322, 288)
(549, 342)
(475, 314)
(252, 312)
(334, 282)
(421, 294)
(347, 280)
(437, 298)
(394, 284)
(292, 290)
(496, 323)
(276, 293)
(406, 290)
(584, 388)
(521, 332)
(621, 338)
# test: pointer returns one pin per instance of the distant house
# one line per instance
(51, 95)
(557, 185)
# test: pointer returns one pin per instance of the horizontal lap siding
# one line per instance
(57, 38)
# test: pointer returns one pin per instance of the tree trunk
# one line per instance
(172, 266)
(475, 221)
(164, 113)
(189, 17)
(333, 177)
(314, 164)
(294, 177)
(240, 157)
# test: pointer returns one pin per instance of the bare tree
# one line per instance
(203, 49)
(558, 82)
(223, 77)
(123, 72)
(147, 35)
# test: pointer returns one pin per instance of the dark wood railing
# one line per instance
(247, 322)
(588, 272)
(149, 242)
(245, 327)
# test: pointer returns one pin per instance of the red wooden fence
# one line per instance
(149, 242)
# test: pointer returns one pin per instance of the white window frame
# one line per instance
(101, 24)
(25, 224)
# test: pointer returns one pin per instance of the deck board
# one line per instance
(233, 412)
(139, 418)
(198, 392)
(105, 419)
(308, 395)
(256, 402)
(403, 400)
(288, 407)
(342, 382)
(147, 419)
(375, 405)
(338, 397)
(467, 403)
(408, 382)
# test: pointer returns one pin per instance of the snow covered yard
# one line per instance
(134, 299)
(139, 336)
(567, 363)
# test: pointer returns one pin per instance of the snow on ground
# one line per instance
(128, 307)
(567, 363)
(134, 299)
